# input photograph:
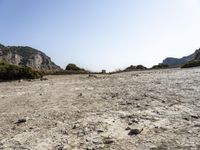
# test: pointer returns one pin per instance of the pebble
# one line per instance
(134, 132)
(19, 121)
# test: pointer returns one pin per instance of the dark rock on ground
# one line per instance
(134, 132)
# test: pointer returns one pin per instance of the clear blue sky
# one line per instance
(103, 34)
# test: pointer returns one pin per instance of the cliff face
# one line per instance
(177, 62)
(27, 56)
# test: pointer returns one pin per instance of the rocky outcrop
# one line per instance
(27, 56)
(177, 62)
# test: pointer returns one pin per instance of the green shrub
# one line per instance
(193, 63)
(12, 72)
(141, 67)
(134, 68)
(130, 68)
(160, 66)
(73, 67)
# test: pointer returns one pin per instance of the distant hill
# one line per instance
(27, 56)
(177, 62)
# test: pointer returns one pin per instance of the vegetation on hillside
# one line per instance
(12, 72)
(160, 66)
(193, 63)
(73, 67)
(134, 68)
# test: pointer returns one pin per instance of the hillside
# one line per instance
(177, 62)
(27, 56)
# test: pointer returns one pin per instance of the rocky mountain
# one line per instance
(177, 62)
(27, 56)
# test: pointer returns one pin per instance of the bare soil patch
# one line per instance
(158, 109)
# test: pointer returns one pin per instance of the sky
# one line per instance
(103, 34)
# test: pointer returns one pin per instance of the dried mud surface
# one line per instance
(150, 110)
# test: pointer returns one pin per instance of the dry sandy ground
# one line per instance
(153, 110)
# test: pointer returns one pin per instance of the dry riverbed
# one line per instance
(153, 110)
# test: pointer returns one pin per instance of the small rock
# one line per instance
(163, 101)
(138, 106)
(190, 131)
(130, 123)
(128, 128)
(43, 79)
(113, 95)
(135, 132)
(96, 141)
(197, 125)
(195, 116)
(20, 80)
(75, 126)
(186, 118)
(108, 141)
(100, 130)
(92, 76)
(60, 146)
(19, 121)
(13, 128)
(135, 120)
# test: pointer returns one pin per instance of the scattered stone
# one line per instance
(113, 95)
(163, 101)
(92, 76)
(138, 106)
(100, 130)
(20, 80)
(186, 118)
(135, 120)
(81, 133)
(20, 121)
(13, 128)
(129, 103)
(195, 116)
(128, 128)
(60, 146)
(96, 141)
(108, 141)
(130, 123)
(43, 79)
(135, 132)
(75, 126)
(122, 103)
(81, 94)
(197, 125)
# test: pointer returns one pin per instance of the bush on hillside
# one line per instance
(193, 63)
(134, 68)
(160, 66)
(73, 67)
(141, 67)
(12, 72)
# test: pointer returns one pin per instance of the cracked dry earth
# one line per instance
(150, 110)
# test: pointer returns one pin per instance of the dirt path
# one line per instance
(137, 110)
